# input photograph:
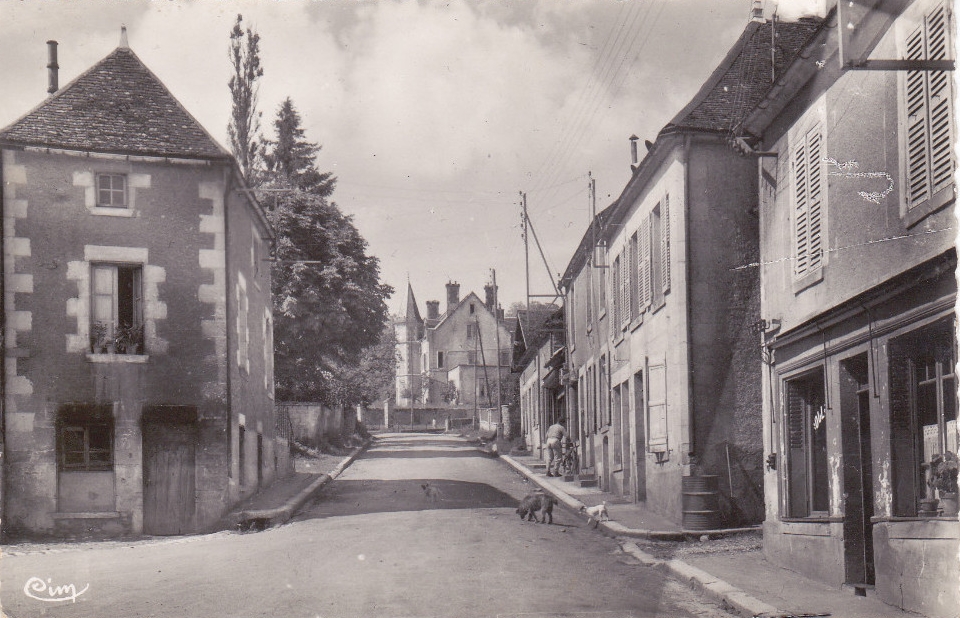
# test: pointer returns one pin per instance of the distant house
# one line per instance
(138, 365)
(454, 359)
(661, 305)
(538, 357)
(858, 269)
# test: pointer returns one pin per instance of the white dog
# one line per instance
(596, 514)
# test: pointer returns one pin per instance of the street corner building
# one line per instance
(662, 298)
(137, 379)
(857, 263)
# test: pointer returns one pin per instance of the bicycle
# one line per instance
(569, 460)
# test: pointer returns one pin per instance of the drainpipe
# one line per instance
(228, 185)
(3, 357)
(691, 433)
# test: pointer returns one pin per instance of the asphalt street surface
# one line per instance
(372, 544)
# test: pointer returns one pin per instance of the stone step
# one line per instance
(588, 480)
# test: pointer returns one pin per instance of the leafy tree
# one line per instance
(244, 127)
(329, 303)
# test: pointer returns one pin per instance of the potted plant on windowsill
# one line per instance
(98, 338)
(129, 339)
(943, 478)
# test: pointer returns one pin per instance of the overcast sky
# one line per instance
(433, 115)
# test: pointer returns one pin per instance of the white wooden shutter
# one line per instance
(631, 265)
(624, 290)
(930, 159)
(808, 202)
(644, 265)
(615, 286)
(665, 244)
(657, 407)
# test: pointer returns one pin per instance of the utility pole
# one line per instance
(526, 249)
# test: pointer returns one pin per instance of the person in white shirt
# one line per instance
(555, 435)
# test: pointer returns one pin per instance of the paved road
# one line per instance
(371, 545)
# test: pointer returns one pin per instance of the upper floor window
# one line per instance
(439, 360)
(928, 118)
(471, 331)
(116, 308)
(806, 162)
(112, 190)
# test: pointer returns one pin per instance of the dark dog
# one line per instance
(537, 502)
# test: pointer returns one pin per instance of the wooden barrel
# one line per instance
(701, 503)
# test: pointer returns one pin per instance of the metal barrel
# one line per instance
(701, 502)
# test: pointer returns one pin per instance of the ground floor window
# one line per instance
(807, 474)
(85, 438)
(923, 408)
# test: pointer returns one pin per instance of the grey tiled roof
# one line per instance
(744, 76)
(117, 106)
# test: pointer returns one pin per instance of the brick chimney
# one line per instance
(433, 309)
(453, 295)
(490, 295)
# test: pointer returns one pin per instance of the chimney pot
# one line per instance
(633, 149)
(433, 309)
(453, 295)
(123, 38)
(52, 67)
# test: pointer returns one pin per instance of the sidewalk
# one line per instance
(279, 501)
(750, 587)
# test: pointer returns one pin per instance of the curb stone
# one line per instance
(278, 515)
(727, 596)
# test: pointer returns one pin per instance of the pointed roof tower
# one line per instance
(413, 313)
(116, 106)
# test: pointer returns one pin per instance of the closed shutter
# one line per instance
(665, 244)
(631, 266)
(903, 438)
(808, 202)
(930, 160)
(796, 452)
(616, 292)
(657, 407)
(624, 289)
(644, 265)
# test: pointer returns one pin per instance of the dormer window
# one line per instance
(112, 190)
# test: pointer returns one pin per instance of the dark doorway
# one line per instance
(640, 452)
(857, 470)
(169, 470)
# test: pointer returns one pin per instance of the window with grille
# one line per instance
(808, 202)
(112, 190)
(85, 438)
(928, 118)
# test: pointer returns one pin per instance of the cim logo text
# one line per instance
(41, 590)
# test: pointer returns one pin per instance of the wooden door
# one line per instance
(169, 478)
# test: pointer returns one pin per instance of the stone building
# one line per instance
(137, 380)
(857, 264)
(453, 359)
(661, 307)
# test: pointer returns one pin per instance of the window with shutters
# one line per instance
(806, 160)
(116, 308)
(923, 409)
(927, 118)
(656, 257)
(631, 274)
(645, 292)
(657, 408)
(807, 468)
(616, 287)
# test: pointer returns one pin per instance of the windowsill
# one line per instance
(812, 519)
(636, 323)
(118, 358)
(808, 280)
(657, 307)
(878, 520)
(93, 515)
(917, 214)
(109, 211)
